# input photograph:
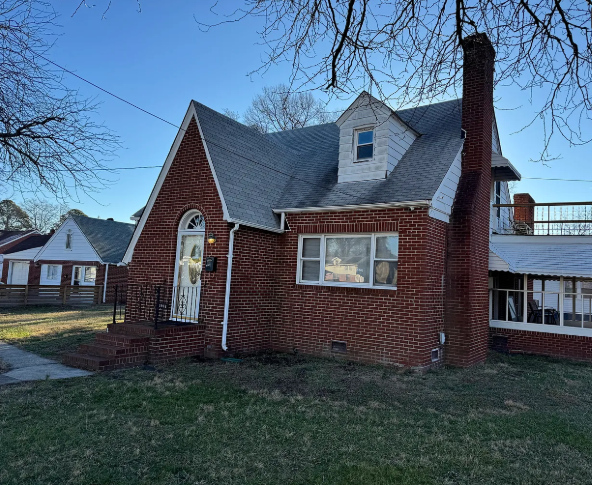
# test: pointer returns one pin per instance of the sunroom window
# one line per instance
(349, 260)
(364, 144)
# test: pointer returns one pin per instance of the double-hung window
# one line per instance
(52, 272)
(84, 275)
(361, 260)
(364, 144)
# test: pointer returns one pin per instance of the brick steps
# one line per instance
(101, 350)
(122, 346)
(89, 362)
(120, 340)
(129, 345)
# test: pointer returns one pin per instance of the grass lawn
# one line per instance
(52, 331)
(291, 419)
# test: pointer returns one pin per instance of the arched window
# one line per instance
(193, 221)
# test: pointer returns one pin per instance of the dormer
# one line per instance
(372, 140)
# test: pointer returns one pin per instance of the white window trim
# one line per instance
(356, 132)
(44, 280)
(322, 282)
(83, 274)
(68, 235)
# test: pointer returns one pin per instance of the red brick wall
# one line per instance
(174, 343)
(387, 326)
(189, 185)
(467, 304)
(267, 309)
(524, 214)
(556, 345)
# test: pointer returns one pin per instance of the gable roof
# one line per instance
(108, 238)
(35, 241)
(6, 237)
(259, 174)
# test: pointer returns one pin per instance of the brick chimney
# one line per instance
(524, 214)
(466, 320)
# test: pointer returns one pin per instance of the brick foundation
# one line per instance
(541, 343)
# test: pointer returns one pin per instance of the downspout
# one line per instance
(105, 282)
(228, 278)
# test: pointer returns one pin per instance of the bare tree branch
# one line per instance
(409, 52)
(49, 141)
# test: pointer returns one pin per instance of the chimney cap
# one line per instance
(109, 218)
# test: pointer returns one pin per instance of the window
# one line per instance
(52, 272)
(364, 144)
(349, 260)
(90, 274)
(498, 198)
(84, 275)
(69, 240)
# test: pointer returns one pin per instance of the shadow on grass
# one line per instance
(52, 331)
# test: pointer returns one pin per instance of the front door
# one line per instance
(186, 293)
(19, 273)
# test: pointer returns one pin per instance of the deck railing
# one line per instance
(555, 218)
(157, 304)
(18, 295)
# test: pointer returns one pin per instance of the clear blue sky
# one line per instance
(160, 60)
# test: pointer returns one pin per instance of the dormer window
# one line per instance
(364, 144)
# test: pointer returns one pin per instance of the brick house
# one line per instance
(369, 238)
(82, 251)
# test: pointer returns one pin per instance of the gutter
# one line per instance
(105, 282)
(228, 278)
(387, 205)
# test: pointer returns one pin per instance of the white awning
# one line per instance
(542, 255)
(503, 169)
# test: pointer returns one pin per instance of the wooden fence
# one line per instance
(18, 295)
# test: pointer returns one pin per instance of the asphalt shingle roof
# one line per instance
(298, 168)
(35, 241)
(109, 238)
(8, 236)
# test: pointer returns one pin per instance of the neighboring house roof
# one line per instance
(36, 241)
(7, 237)
(136, 215)
(304, 164)
(108, 238)
(542, 255)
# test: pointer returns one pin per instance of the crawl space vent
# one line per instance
(337, 346)
(435, 355)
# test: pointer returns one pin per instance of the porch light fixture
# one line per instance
(211, 238)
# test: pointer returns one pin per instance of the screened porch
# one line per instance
(543, 303)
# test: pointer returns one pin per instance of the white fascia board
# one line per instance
(537, 327)
(88, 241)
(10, 240)
(24, 254)
(379, 105)
(58, 230)
(373, 101)
(256, 226)
(189, 115)
(337, 208)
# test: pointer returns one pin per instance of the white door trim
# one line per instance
(193, 318)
